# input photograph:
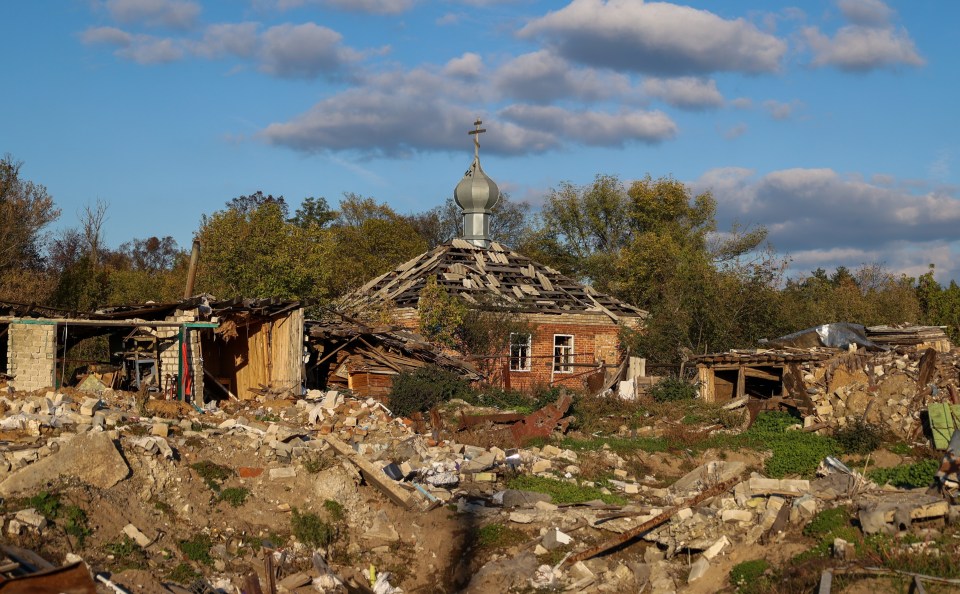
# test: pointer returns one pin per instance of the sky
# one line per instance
(832, 123)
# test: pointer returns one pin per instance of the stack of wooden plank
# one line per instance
(910, 335)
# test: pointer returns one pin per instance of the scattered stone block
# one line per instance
(283, 472)
(160, 429)
(519, 517)
(716, 548)
(736, 515)
(541, 466)
(136, 535)
(91, 457)
(89, 406)
(698, 569)
(555, 538)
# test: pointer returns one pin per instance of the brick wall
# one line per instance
(31, 355)
(596, 339)
(170, 355)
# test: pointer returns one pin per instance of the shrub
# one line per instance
(424, 389)
(75, 523)
(859, 438)
(46, 504)
(311, 530)
(183, 574)
(908, 476)
(672, 389)
(197, 549)
(235, 496)
(211, 473)
(336, 511)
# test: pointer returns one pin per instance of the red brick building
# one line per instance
(573, 337)
(573, 331)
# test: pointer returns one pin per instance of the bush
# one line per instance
(311, 530)
(672, 389)
(213, 474)
(235, 496)
(859, 438)
(424, 389)
(197, 549)
(909, 476)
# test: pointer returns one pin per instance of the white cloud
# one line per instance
(595, 128)
(177, 14)
(151, 50)
(779, 110)
(871, 13)
(364, 6)
(303, 51)
(686, 92)
(735, 131)
(106, 35)
(451, 18)
(542, 77)
(469, 66)
(858, 49)
(812, 208)
(226, 39)
(657, 38)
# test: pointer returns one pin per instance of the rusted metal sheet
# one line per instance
(69, 579)
(523, 428)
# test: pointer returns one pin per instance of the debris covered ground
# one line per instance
(330, 493)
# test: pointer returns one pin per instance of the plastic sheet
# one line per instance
(839, 335)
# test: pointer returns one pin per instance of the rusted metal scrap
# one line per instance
(69, 579)
(523, 428)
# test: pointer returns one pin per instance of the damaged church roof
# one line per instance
(492, 276)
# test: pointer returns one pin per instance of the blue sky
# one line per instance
(832, 123)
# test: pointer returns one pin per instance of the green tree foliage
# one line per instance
(252, 249)
(367, 239)
(939, 305)
(509, 225)
(655, 245)
(440, 313)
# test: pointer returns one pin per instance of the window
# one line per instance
(519, 351)
(562, 353)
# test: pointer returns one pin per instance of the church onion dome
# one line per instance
(476, 192)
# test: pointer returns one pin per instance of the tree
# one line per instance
(367, 239)
(251, 249)
(25, 211)
(509, 223)
(314, 213)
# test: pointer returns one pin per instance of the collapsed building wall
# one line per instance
(31, 354)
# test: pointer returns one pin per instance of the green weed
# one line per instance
(499, 536)
(213, 474)
(336, 511)
(562, 491)
(310, 529)
(749, 577)
(235, 496)
(197, 549)
(183, 574)
(909, 476)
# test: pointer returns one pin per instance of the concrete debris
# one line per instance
(91, 458)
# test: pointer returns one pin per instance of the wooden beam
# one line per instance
(371, 473)
(760, 374)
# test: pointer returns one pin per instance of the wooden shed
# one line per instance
(761, 374)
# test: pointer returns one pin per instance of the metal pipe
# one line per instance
(192, 271)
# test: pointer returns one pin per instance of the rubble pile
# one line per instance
(888, 389)
(219, 491)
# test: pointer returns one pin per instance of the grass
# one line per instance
(183, 574)
(907, 476)
(47, 504)
(562, 491)
(749, 577)
(311, 529)
(336, 511)
(213, 474)
(620, 445)
(127, 554)
(499, 536)
(235, 496)
(197, 549)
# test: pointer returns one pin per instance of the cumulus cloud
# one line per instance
(302, 51)
(595, 128)
(176, 14)
(657, 38)
(307, 50)
(398, 114)
(735, 131)
(871, 13)
(142, 49)
(469, 66)
(364, 6)
(807, 209)
(870, 42)
(686, 92)
(542, 77)
(779, 110)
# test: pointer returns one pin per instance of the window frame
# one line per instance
(524, 356)
(568, 357)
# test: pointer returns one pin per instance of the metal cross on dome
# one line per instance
(476, 137)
